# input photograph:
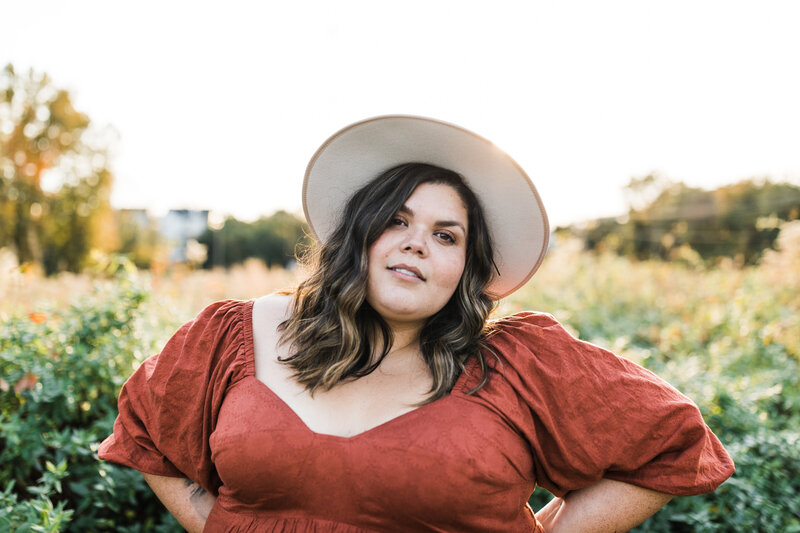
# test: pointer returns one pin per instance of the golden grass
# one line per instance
(570, 283)
(26, 291)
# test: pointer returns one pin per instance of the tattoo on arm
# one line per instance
(197, 497)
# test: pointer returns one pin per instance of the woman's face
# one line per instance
(416, 264)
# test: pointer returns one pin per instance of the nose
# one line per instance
(415, 244)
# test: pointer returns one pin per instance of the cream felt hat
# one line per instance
(360, 152)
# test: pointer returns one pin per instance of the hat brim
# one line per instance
(358, 153)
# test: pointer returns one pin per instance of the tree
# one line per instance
(666, 219)
(640, 192)
(54, 180)
(275, 239)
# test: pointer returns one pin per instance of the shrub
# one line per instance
(61, 374)
(763, 495)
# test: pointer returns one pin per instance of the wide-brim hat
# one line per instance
(361, 151)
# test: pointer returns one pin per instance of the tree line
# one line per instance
(55, 188)
(55, 185)
(674, 221)
(277, 240)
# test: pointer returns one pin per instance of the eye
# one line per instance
(445, 236)
(397, 221)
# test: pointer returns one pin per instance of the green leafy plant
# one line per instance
(61, 374)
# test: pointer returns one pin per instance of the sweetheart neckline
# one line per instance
(249, 345)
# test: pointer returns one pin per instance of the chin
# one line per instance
(400, 312)
(401, 315)
(403, 306)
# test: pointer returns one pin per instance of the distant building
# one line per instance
(179, 227)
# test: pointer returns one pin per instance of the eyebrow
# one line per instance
(446, 223)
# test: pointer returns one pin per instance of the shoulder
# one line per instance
(268, 313)
(271, 309)
(528, 328)
(216, 335)
(222, 321)
(537, 340)
(219, 313)
(524, 320)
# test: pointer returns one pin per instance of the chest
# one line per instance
(395, 388)
(449, 461)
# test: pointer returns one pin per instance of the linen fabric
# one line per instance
(556, 412)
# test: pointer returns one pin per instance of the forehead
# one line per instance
(438, 199)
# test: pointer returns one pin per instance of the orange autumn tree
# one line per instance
(54, 180)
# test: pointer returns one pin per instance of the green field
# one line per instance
(727, 337)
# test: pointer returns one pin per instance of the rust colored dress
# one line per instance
(557, 412)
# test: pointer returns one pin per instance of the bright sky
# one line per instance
(219, 105)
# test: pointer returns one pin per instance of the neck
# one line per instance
(405, 338)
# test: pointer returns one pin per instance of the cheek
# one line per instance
(380, 248)
(452, 271)
(376, 258)
(375, 255)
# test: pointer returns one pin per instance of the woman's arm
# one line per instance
(188, 502)
(603, 507)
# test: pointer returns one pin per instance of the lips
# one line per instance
(408, 270)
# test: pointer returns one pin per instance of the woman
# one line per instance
(378, 397)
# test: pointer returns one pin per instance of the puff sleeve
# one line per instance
(588, 414)
(168, 408)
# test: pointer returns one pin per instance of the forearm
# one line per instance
(188, 502)
(603, 507)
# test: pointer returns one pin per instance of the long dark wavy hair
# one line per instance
(333, 331)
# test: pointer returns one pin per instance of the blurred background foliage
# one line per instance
(700, 286)
(276, 240)
(55, 185)
(672, 221)
(54, 178)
